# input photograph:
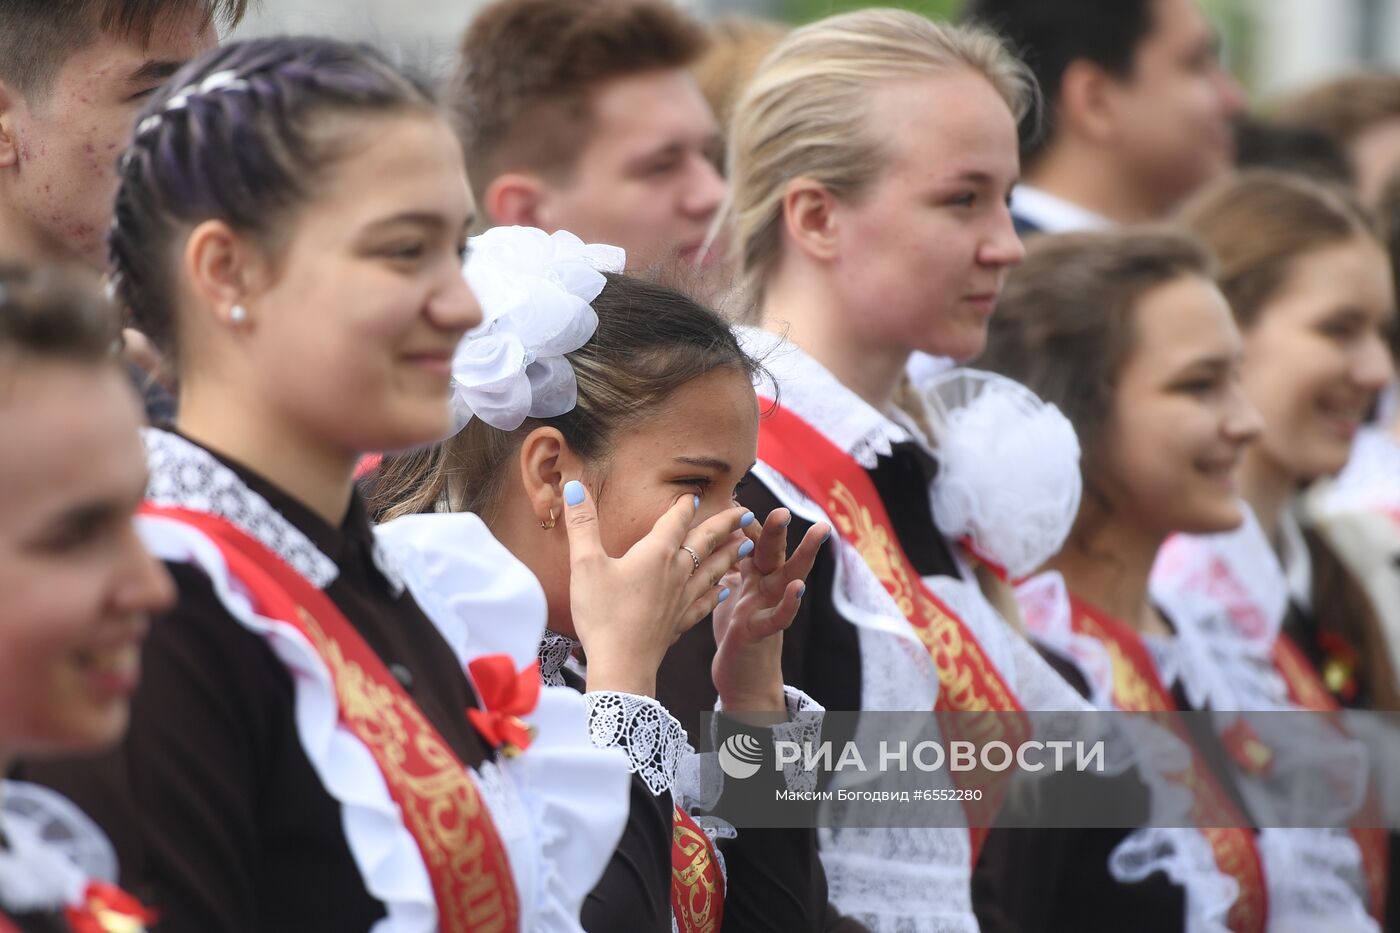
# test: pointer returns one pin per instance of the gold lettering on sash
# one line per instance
(445, 803)
(696, 908)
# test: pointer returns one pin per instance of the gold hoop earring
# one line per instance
(546, 525)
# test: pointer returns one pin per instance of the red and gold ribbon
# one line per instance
(1306, 689)
(969, 683)
(440, 803)
(1137, 688)
(697, 885)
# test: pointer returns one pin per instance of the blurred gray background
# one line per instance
(1273, 46)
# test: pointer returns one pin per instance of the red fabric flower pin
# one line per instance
(505, 696)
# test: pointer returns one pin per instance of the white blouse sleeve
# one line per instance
(564, 801)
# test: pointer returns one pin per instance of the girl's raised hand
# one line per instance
(627, 611)
(767, 588)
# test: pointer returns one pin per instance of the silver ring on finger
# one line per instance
(694, 559)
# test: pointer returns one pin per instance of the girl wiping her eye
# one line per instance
(608, 424)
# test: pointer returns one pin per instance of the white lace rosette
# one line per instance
(1008, 476)
(903, 879)
(52, 850)
(535, 290)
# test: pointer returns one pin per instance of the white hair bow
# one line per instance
(535, 291)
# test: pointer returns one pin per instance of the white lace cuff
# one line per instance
(804, 727)
(641, 727)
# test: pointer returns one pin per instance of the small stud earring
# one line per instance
(237, 314)
(546, 525)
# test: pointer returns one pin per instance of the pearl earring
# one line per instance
(237, 314)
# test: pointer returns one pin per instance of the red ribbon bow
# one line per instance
(106, 908)
(505, 696)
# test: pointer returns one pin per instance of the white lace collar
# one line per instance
(808, 389)
(555, 651)
(1226, 596)
(185, 475)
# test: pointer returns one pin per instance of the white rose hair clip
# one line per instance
(535, 291)
(1008, 481)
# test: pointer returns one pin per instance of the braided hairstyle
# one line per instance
(241, 134)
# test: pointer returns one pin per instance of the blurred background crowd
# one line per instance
(1271, 46)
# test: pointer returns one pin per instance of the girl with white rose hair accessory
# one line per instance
(608, 423)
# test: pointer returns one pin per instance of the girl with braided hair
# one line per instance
(316, 745)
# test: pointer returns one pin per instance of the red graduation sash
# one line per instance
(1137, 688)
(437, 796)
(697, 886)
(969, 683)
(1307, 690)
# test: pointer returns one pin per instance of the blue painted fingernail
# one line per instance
(696, 500)
(747, 520)
(801, 591)
(724, 594)
(573, 492)
(746, 548)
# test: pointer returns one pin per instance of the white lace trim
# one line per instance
(907, 878)
(1315, 881)
(1182, 854)
(803, 727)
(1237, 570)
(555, 652)
(901, 880)
(1186, 857)
(1227, 595)
(700, 779)
(1044, 602)
(650, 736)
(807, 388)
(185, 475)
(386, 854)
